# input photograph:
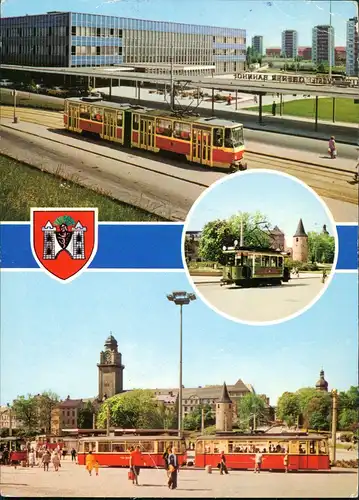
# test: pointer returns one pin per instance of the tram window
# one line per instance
(230, 447)
(265, 261)
(182, 131)
(280, 261)
(104, 447)
(322, 448)
(233, 137)
(218, 137)
(257, 260)
(303, 448)
(273, 261)
(118, 447)
(312, 448)
(85, 111)
(199, 447)
(160, 446)
(147, 446)
(135, 122)
(87, 447)
(119, 118)
(164, 127)
(96, 114)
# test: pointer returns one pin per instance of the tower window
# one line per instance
(297, 239)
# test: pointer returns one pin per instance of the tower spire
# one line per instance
(300, 230)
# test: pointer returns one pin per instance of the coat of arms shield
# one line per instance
(64, 240)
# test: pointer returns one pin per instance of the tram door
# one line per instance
(147, 134)
(201, 146)
(109, 124)
(74, 116)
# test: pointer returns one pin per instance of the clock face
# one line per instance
(108, 356)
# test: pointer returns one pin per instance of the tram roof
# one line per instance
(254, 249)
(261, 436)
(211, 121)
(131, 437)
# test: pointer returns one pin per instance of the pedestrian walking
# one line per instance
(56, 461)
(165, 459)
(332, 149)
(73, 455)
(258, 461)
(135, 464)
(96, 467)
(172, 469)
(46, 459)
(222, 464)
(90, 462)
(32, 458)
(357, 171)
(324, 275)
(286, 462)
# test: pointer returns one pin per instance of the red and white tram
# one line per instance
(305, 451)
(211, 142)
(115, 451)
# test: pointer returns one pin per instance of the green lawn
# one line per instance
(23, 187)
(345, 109)
(30, 100)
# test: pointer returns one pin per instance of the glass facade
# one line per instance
(70, 39)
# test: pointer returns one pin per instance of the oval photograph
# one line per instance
(259, 247)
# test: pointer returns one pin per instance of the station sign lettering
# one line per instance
(306, 80)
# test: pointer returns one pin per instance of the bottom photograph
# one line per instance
(125, 384)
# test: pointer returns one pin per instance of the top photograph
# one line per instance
(137, 107)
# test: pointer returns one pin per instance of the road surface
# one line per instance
(262, 304)
(74, 481)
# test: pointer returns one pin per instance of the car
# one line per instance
(5, 82)
(57, 92)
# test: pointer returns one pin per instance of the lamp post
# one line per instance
(334, 395)
(180, 299)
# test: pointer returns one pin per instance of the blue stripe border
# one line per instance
(140, 246)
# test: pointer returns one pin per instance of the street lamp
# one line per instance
(180, 299)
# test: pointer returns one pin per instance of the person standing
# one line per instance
(222, 464)
(56, 461)
(90, 462)
(96, 466)
(165, 458)
(172, 469)
(258, 461)
(46, 459)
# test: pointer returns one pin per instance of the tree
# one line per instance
(251, 410)
(321, 247)
(288, 408)
(348, 418)
(27, 411)
(85, 416)
(165, 417)
(313, 402)
(193, 421)
(46, 402)
(219, 233)
(132, 410)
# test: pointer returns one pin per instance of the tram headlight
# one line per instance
(235, 243)
(224, 248)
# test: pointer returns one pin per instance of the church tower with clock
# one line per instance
(110, 370)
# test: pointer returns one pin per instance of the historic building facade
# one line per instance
(300, 244)
(65, 415)
(110, 370)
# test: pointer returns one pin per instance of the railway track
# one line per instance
(327, 180)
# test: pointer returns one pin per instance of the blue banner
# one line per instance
(140, 246)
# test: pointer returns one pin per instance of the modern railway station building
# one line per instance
(66, 39)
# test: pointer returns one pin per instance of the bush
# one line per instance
(203, 265)
(301, 266)
(347, 464)
(346, 437)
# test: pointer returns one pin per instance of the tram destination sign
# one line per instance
(306, 80)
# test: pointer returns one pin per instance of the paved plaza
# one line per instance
(267, 303)
(73, 481)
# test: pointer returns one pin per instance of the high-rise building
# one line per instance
(352, 47)
(323, 45)
(289, 43)
(67, 39)
(257, 45)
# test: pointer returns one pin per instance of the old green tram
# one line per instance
(253, 267)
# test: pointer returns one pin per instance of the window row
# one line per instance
(90, 31)
(26, 32)
(294, 447)
(96, 51)
(124, 446)
(54, 50)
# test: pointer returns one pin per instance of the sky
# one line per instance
(256, 16)
(52, 335)
(281, 199)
